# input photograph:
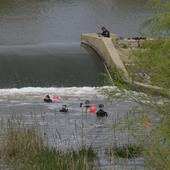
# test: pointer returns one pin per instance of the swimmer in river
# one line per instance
(47, 99)
(101, 112)
(64, 108)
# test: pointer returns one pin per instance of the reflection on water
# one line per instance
(35, 35)
(49, 65)
(35, 21)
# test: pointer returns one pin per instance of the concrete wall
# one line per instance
(105, 48)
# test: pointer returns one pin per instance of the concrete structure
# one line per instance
(105, 48)
(111, 56)
(151, 89)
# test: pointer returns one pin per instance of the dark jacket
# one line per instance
(47, 100)
(101, 113)
(64, 109)
(105, 32)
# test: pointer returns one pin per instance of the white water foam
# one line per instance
(61, 91)
(91, 93)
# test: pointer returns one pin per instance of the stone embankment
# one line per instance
(106, 48)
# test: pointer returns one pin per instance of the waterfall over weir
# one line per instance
(49, 65)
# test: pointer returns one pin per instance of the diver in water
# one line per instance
(101, 112)
(47, 99)
(85, 104)
(64, 108)
(81, 104)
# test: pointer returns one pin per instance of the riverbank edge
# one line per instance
(110, 55)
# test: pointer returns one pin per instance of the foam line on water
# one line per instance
(62, 91)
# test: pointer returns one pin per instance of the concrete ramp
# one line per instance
(108, 52)
(105, 48)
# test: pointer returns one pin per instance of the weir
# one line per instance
(49, 65)
(105, 48)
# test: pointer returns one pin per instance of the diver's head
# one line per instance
(101, 105)
(47, 96)
(87, 102)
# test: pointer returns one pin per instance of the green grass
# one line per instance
(25, 149)
(125, 151)
(157, 149)
(154, 141)
(152, 64)
(50, 159)
(116, 76)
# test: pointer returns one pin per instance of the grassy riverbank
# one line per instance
(151, 63)
(26, 149)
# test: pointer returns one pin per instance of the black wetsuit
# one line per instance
(47, 100)
(101, 113)
(87, 104)
(64, 110)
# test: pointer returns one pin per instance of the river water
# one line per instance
(40, 40)
(62, 21)
(40, 54)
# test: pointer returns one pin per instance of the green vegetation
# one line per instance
(156, 144)
(157, 147)
(117, 77)
(159, 24)
(152, 61)
(150, 127)
(152, 138)
(151, 64)
(125, 151)
(25, 149)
